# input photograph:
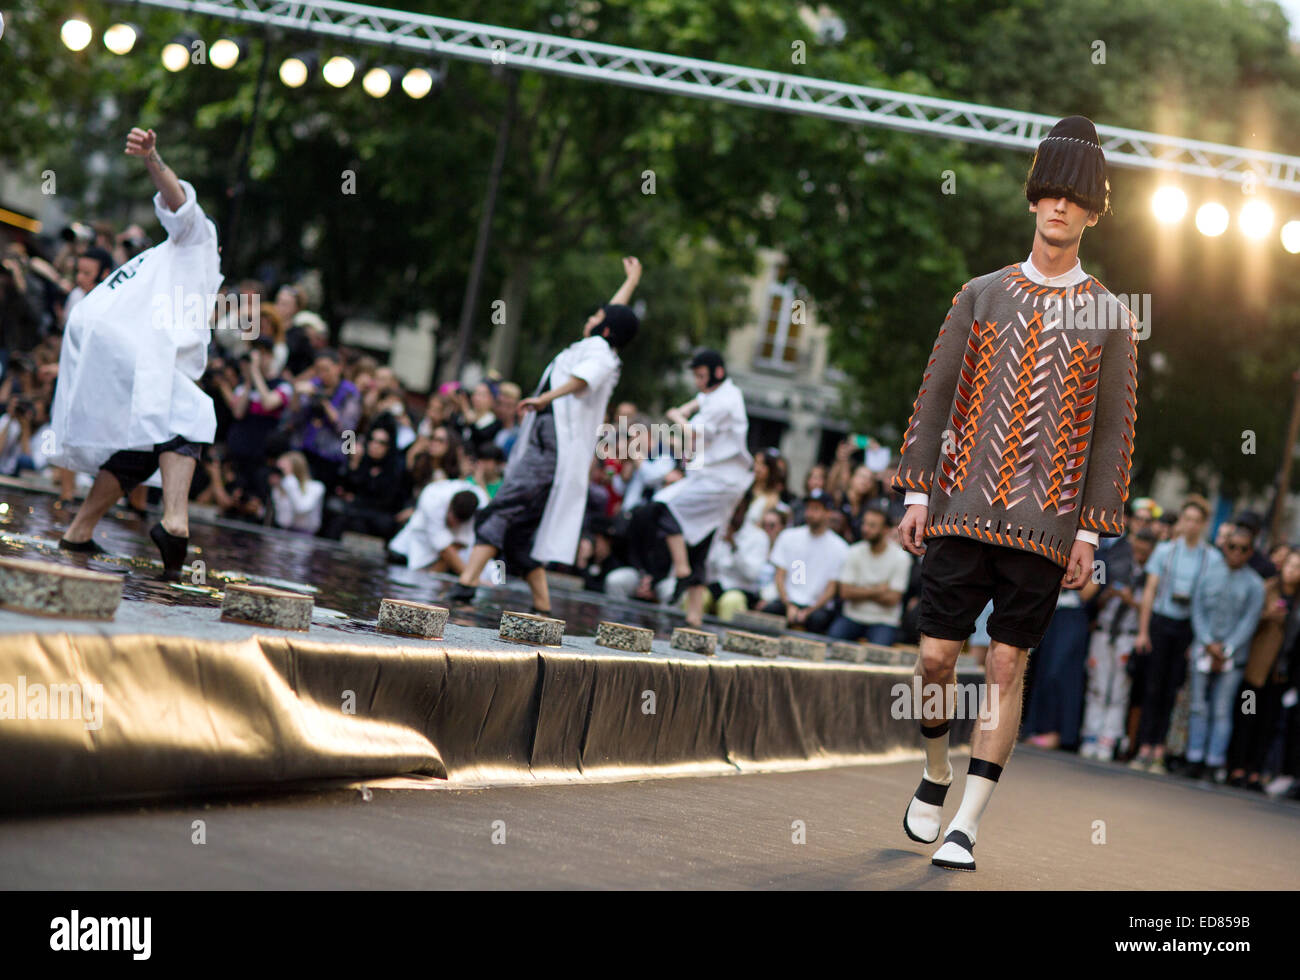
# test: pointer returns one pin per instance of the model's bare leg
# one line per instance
(695, 606)
(936, 666)
(479, 556)
(991, 746)
(681, 560)
(536, 580)
(1004, 671)
(177, 474)
(103, 495)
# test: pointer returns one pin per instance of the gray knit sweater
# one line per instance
(1022, 432)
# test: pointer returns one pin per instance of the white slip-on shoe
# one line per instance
(956, 854)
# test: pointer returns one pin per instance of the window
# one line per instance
(782, 332)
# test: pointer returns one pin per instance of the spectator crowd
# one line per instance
(323, 441)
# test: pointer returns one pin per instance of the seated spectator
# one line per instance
(872, 583)
(479, 424)
(735, 563)
(1264, 679)
(305, 339)
(369, 495)
(256, 407)
(443, 448)
(772, 524)
(861, 493)
(507, 410)
(807, 561)
(26, 438)
(769, 487)
(324, 409)
(299, 500)
(488, 469)
(1226, 607)
(441, 531)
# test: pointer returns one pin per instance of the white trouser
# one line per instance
(1108, 687)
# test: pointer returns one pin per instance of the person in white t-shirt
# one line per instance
(808, 560)
(128, 401)
(872, 583)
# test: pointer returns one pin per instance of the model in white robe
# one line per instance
(721, 468)
(578, 418)
(426, 535)
(135, 348)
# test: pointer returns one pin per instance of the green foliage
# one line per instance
(876, 245)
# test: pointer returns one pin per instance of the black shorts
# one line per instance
(133, 467)
(960, 575)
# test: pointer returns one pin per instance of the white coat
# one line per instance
(578, 418)
(426, 535)
(721, 469)
(135, 348)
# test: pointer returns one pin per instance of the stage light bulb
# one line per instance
(293, 72)
(1291, 236)
(175, 56)
(224, 53)
(1169, 204)
(120, 38)
(1255, 219)
(417, 83)
(338, 71)
(377, 83)
(76, 34)
(1211, 219)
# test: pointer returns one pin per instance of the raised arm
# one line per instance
(632, 268)
(144, 143)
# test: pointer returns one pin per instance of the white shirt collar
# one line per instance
(1071, 278)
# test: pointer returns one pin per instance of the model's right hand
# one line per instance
(911, 529)
(140, 142)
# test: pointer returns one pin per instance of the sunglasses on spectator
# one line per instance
(1236, 547)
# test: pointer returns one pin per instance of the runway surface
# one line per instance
(730, 832)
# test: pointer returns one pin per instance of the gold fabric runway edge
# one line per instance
(183, 716)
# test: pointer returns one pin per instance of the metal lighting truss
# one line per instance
(967, 121)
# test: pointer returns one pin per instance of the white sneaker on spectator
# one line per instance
(1279, 786)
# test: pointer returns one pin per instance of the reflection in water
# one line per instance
(342, 579)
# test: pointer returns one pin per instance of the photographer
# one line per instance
(23, 430)
(371, 491)
(325, 408)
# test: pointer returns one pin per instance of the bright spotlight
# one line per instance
(225, 53)
(417, 83)
(1255, 219)
(76, 34)
(120, 38)
(338, 71)
(1169, 204)
(293, 72)
(1291, 236)
(175, 55)
(1211, 219)
(378, 82)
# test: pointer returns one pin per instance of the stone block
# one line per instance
(696, 641)
(412, 618)
(48, 588)
(260, 605)
(617, 636)
(738, 641)
(803, 649)
(526, 628)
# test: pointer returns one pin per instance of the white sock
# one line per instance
(981, 780)
(925, 819)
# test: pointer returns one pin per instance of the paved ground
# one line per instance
(692, 833)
